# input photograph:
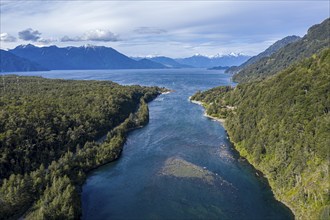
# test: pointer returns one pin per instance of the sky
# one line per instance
(167, 28)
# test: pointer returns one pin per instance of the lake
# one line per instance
(181, 165)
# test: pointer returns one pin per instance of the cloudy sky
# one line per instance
(170, 28)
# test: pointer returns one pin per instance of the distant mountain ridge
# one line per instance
(84, 57)
(201, 61)
(100, 57)
(12, 63)
(166, 61)
(268, 52)
(316, 39)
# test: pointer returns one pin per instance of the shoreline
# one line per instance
(221, 120)
(118, 153)
(167, 91)
(264, 175)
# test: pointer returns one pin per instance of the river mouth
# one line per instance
(180, 165)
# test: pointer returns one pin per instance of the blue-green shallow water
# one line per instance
(132, 187)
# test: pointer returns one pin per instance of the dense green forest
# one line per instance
(316, 39)
(48, 133)
(282, 126)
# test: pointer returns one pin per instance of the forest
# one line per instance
(282, 125)
(48, 139)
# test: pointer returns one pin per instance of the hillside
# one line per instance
(151, 64)
(81, 58)
(48, 130)
(200, 61)
(316, 39)
(268, 52)
(281, 125)
(169, 62)
(11, 63)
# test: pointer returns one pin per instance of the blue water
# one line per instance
(133, 187)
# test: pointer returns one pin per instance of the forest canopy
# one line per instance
(48, 130)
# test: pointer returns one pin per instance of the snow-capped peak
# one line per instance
(25, 46)
(232, 54)
(152, 56)
(199, 55)
(217, 55)
(89, 46)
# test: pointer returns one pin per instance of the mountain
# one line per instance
(84, 57)
(169, 62)
(200, 61)
(316, 39)
(166, 61)
(268, 52)
(12, 63)
(151, 64)
(281, 125)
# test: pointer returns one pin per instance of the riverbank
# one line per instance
(92, 156)
(244, 154)
(221, 120)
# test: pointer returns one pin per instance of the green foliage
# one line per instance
(216, 104)
(57, 202)
(314, 41)
(52, 123)
(282, 126)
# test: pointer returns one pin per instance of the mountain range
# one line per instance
(268, 52)
(12, 63)
(166, 61)
(101, 57)
(316, 39)
(201, 61)
(84, 57)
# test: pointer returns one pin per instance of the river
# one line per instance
(181, 165)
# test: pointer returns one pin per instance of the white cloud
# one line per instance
(207, 27)
(7, 37)
(47, 40)
(93, 35)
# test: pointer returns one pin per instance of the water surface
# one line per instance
(179, 166)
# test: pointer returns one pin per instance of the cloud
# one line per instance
(7, 37)
(93, 35)
(149, 30)
(67, 39)
(47, 40)
(29, 35)
(233, 26)
(35, 36)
